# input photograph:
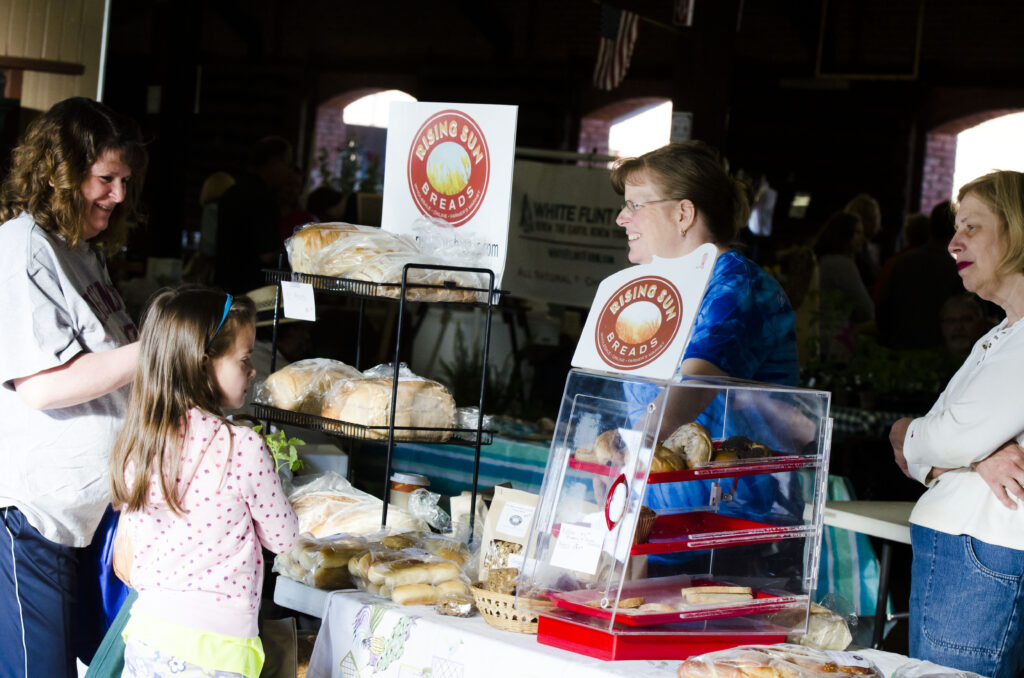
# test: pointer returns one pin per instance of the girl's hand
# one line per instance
(897, 434)
(1003, 472)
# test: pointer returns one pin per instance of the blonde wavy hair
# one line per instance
(1002, 192)
(54, 158)
(179, 336)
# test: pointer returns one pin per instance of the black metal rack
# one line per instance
(446, 293)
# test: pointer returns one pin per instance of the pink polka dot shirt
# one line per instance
(205, 569)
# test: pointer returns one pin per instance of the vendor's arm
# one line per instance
(685, 404)
(1003, 471)
(984, 414)
(85, 377)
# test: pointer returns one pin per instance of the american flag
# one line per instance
(618, 36)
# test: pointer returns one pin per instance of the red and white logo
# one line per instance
(638, 322)
(449, 167)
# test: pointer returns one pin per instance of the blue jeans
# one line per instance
(966, 603)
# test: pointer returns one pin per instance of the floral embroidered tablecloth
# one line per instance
(364, 636)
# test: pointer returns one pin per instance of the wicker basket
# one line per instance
(644, 525)
(498, 610)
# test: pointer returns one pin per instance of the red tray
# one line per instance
(611, 646)
(749, 467)
(668, 592)
(696, 530)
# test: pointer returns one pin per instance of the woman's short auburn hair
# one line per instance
(694, 171)
(1002, 192)
(54, 158)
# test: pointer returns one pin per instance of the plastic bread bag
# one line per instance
(826, 628)
(388, 268)
(423, 404)
(327, 504)
(778, 661)
(423, 505)
(917, 668)
(334, 249)
(324, 562)
(469, 418)
(303, 385)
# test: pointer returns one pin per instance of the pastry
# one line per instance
(629, 603)
(421, 404)
(610, 449)
(716, 594)
(655, 607)
(586, 454)
(739, 447)
(666, 460)
(692, 442)
(502, 580)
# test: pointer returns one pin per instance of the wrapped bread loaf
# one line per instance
(421, 404)
(777, 661)
(303, 385)
(334, 249)
(373, 255)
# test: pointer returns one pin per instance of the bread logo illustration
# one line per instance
(638, 322)
(449, 167)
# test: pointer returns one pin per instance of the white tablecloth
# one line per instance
(363, 636)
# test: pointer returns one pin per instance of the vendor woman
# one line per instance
(678, 198)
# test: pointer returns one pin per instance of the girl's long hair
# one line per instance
(179, 338)
(54, 158)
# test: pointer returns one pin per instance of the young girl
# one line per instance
(199, 495)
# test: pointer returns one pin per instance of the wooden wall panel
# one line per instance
(55, 30)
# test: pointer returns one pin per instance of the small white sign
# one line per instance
(515, 519)
(848, 659)
(578, 548)
(299, 302)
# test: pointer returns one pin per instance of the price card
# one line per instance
(298, 300)
(515, 519)
(578, 548)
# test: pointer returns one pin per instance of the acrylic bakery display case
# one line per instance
(673, 517)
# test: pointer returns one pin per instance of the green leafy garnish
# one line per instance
(283, 449)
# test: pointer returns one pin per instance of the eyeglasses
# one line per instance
(632, 207)
(227, 307)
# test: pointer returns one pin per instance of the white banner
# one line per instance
(452, 162)
(563, 239)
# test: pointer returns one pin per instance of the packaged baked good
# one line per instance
(506, 530)
(334, 249)
(321, 563)
(303, 385)
(441, 285)
(777, 661)
(422, 404)
(327, 504)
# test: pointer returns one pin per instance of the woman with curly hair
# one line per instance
(68, 350)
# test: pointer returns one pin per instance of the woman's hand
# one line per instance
(897, 434)
(1003, 472)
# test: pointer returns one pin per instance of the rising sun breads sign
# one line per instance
(449, 166)
(453, 163)
(641, 317)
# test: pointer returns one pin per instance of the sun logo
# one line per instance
(449, 167)
(638, 322)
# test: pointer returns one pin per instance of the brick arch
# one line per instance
(940, 155)
(330, 130)
(595, 126)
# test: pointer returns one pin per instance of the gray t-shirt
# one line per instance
(56, 303)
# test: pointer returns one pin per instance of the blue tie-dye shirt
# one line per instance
(745, 325)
